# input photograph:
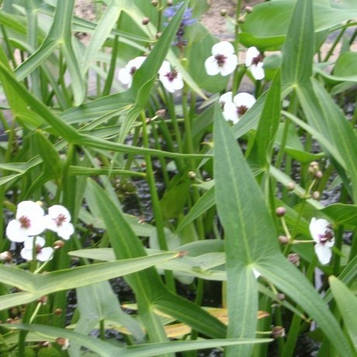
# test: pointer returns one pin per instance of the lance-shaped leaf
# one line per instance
(347, 304)
(298, 49)
(268, 125)
(240, 206)
(251, 242)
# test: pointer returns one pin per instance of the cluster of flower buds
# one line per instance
(314, 170)
(30, 221)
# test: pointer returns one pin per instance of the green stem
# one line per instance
(337, 40)
(102, 329)
(156, 204)
(8, 46)
(111, 72)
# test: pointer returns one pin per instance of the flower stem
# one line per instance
(170, 282)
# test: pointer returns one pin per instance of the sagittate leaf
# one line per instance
(43, 284)
(106, 349)
(251, 243)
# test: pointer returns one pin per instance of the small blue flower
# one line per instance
(187, 19)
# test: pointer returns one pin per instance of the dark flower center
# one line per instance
(25, 222)
(327, 236)
(221, 60)
(171, 75)
(60, 220)
(38, 248)
(241, 109)
(258, 59)
(133, 70)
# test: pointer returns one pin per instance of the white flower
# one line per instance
(29, 222)
(126, 74)
(234, 108)
(170, 78)
(223, 60)
(322, 233)
(254, 61)
(59, 221)
(42, 254)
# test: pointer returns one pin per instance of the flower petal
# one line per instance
(223, 48)
(65, 230)
(29, 209)
(252, 52)
(125, 77)
(15, 232)
(211, 66)
(57, 210)
(38, 225)
(323, 253)
(230, 112)
(45, 254)
(169, 85)
(317, 228)
(26, 254)
(257, 71)
(165, 68)
(229, 65)
(136, 62)
(28, 243)
(244, 99)
(226, 98)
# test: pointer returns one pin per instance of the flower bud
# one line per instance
(169, 2)
(58, 244)
(280, 296)
(58, 312)
(283, 239)
(43, 300)
(294, 258)
(241, 20)
(280, 211)
(63, 342)
(154, 3)
(278, 331)
(158, 35)
(6, 257)
(223, 12)
(191, 174)
(291, 186)
(314, 167)
(316, 195)
(161, 113)
(318, 174)
(40, 203)
(248, 9)
(145, 21)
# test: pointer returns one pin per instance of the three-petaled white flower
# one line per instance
(29, 221)
(234, 108)
(223, 60)
(254, 61)
(170, 78)
(34, 249)
(322, 233)
(59, 220)
(126, 74)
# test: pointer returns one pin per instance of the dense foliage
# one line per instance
(213, 180)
